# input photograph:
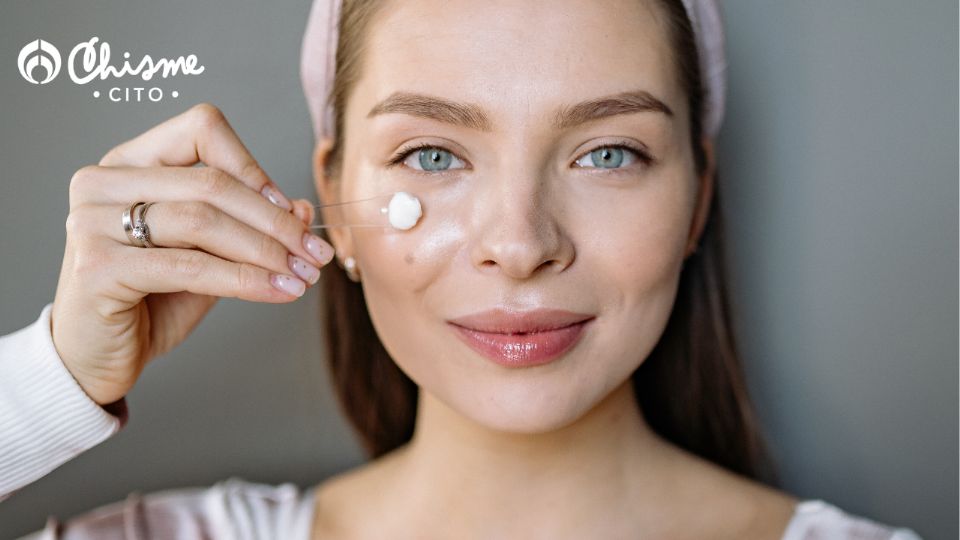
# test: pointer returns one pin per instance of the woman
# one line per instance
(546, 354)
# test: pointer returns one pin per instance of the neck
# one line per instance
(600, 464)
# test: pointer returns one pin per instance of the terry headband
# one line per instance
(319, 47)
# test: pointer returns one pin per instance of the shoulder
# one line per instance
(232, 508)
(815, 518)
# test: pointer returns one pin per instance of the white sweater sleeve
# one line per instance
(46, 418)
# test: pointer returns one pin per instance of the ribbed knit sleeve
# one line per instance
(46, 418)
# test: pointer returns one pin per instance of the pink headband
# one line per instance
(318, 57)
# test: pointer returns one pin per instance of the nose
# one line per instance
(519, 226)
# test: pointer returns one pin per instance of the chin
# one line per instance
(533, 403)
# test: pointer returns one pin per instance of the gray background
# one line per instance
(839, 166)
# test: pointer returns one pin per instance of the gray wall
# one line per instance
(839, 176)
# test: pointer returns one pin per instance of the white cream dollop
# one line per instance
(404, 210)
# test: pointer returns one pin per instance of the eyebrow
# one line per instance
(474, 117)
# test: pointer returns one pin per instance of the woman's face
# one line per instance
(530, 201)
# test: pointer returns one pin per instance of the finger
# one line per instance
(197, 224)
(169, 270)
(303, 209)
(95, 185)
(200, 134)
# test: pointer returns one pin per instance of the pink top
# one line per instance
(46, 419)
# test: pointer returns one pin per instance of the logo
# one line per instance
(90, 61)
(35, 54)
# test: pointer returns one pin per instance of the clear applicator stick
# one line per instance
(400, 210)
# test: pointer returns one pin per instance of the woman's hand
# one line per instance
(217, 234)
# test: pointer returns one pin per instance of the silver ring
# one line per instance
(142, 224)
(137, 230)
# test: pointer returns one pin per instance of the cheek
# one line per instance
(636, 249)
(637, 242)
(646, 251)
(400, 271)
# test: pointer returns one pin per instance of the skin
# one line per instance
(561, 450)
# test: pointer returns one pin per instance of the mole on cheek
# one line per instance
(408, 258)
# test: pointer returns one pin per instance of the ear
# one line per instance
(704, 198)
(327, 191)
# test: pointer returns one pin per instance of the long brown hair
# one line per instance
(691, 389)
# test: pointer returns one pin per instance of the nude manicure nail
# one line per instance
(288, 284)
(302, 268)
(315, 246)
(273, 195)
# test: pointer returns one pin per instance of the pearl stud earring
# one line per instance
(350, 265)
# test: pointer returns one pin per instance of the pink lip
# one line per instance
(520, 339)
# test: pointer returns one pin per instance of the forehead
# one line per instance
(513, 56)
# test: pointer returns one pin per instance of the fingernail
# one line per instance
(302, 268)
(288, 284)
(273, 195)
(315, 246)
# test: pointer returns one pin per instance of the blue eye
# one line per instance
(611, 157)
(436, 159)
(429, 158)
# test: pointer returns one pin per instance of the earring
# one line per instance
(350, 265)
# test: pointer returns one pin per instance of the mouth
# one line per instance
(521, 339)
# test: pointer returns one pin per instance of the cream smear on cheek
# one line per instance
(420, 224)
(442, 232)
